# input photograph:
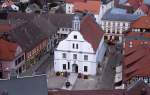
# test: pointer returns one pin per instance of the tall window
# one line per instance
(74, 56)
(85, 57)
(73, 45)
(64, 55)
(68, 65)
(64, 66)
(76, 46)
(19, 60)
(85, 68)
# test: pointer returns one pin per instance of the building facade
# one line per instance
(115, 23)
(76, 53)
(83, 6)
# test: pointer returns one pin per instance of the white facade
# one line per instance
(19, 62)
(139, 12)
(85, 60)
(24, 1)
(104, 8)
(114, 29)
(75, 54)
(69, 8)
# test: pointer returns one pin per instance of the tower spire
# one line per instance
(76, 23)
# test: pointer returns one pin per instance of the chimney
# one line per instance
(143, 91)
(13, 74)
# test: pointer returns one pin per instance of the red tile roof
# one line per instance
(5, 27)
(135, 3)
(92, 6)
(7, 50)
(136, 58)
(91, 31)
(144, 8)
(142, 22)
(144, 34)
(137, 63)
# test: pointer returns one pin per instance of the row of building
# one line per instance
(135, 62)
(37, 85)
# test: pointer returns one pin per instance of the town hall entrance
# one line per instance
(75, 68)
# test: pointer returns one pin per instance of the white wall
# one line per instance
(139, 12)
(104, 8)
(101, 51)
(69, 8)
(24, 1)
(84, 48)
(115, 28)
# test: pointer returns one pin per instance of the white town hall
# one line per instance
(82, 50)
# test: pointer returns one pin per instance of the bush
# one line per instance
(79, 75)
(65, 74)
(57, 73)
(85, 76)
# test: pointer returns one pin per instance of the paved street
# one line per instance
(106, 80)
(46, 65)
(72, 79)
(55, 82)
(41, 67)
(86, 84)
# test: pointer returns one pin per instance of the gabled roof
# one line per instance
(31, 29)
(91, 31)
(134, 3)
(7, 50)
(5, 27)
(142, 22)
(28, 36)
(136, 57)
(60, 20)
(137, 62)
(119, 17)
(144, 8)
(57, 20)
(91, 6)
(35, 85)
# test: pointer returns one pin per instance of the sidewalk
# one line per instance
(72, 79)
(31, 70)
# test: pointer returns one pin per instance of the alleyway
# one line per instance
(106, 79)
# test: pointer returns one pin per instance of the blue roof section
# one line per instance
(147, 2)
(118, 11)
(106, 1)
(122, 1)
(34, 85)
(119, 17)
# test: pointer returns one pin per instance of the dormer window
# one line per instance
(75, 36)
